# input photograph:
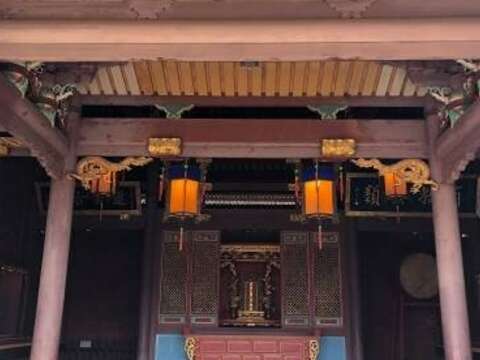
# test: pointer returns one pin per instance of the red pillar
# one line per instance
(451, 281)
(48, 320)
(56, 247)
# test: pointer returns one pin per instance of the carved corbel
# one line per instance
(327, 112)
(455, 101)
(174, 111)
(350, 8)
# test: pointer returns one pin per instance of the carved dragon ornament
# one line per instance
(412, 171)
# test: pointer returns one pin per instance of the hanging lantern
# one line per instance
(318, 192)
(104, 185)
(315, 191)
(394, 186)
(184, 191)
(185, 184)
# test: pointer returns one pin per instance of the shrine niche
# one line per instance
(250, 285)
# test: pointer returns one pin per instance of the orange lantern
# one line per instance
(318, 192)
(183, 199)
(105, 184)
(394, 186)
(184, 196)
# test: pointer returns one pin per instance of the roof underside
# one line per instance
(306, 78)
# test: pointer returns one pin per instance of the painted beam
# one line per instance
(252, 138)
(233, 40)
(254, 101)
(457, 146)
(21, 119)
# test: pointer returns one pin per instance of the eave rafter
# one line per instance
(458, 145)
(22, 120)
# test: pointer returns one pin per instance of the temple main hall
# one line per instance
(239, 180)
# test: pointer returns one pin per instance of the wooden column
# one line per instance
(48, 320)
(51, 293)
(146, 304)
(453, 302)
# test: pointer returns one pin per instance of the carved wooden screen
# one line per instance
(173, 279)
(327, 279)
(205, 272)
(294, 272)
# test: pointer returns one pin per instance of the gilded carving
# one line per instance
(190, 347)
(158, 147)
(313, 349)
(338, 147)
(7, 143)
(93, 167)
(413, 171)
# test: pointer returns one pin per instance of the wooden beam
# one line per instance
(22, 120)
(240, 138)
(233, 40)
(254, 101)
(457, 146)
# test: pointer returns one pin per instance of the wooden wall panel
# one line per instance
(173, 296)
(295, 279)
(327, 278)
(205, 272)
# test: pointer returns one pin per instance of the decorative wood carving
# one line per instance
(338, 148)
(173, 297)
(414, 171)
(350, 8)
(327, 282)
(158, 147)
(191, 347)
(93, 167)
(313, 349)
(295, 283)
(205, 271)
(22, 120)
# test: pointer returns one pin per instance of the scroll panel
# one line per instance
(205, 277)
(173, 280)
(327, 278)
(295, 283)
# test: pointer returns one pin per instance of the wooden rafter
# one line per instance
(252, 138)
(22, 120)
(457, 146)
(237, 40)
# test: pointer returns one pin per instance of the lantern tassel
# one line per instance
(319, 237)
(342, 184)
(180, 240)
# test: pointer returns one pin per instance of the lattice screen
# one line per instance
(205, 270)
(294, 271)
(327, 282)
(173, 300)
